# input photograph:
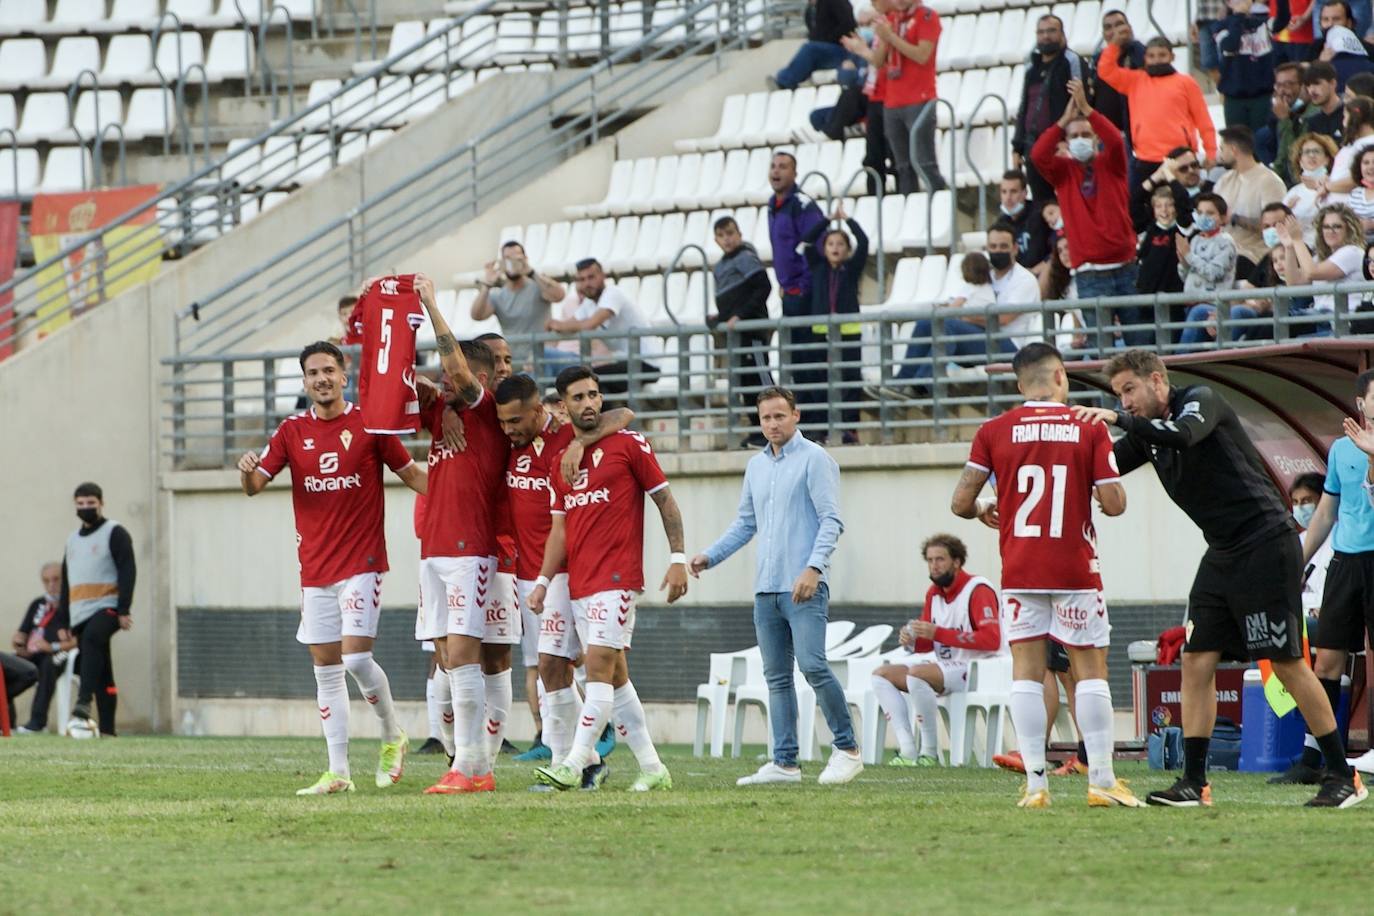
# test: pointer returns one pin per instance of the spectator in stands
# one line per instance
(1361, 199)
(791, 499)
(1158, 251)
(1310, 158)
(43, 642)
(345, 312)
(1247, 186)
(1357, 134)
(1046, 228)
(742, 291)
(909, 92)
(19, 675)
(1209, 13)
(1247, 64)
(854, 79)
(1304, 494)
(1182, 174)
(1117, 38)
(520, 297)
(1338, 258)
(792, 217)
(1021, 215)
(1324, 112)
(1167, 108)
(1207, 263)
(1286, 106)
(1044, 93)
(876, 152)
(1360, 85)
(827, 21)
(958, 622)
(606, 308)
(1090, 183)
(837, 269)
(553, 403)
(1057, 285)
(1294, 40)
(1341, 46)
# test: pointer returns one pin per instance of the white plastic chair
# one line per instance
(230, 55)
(65, 690)
(867, 642)
(731, 123)
(128, 59)
(989, 697)
(152, 113)
(22, 61)
(72, 55)
(45, 117)
(617, 188)
(713, 698)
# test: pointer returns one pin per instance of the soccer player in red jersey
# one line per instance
(537, 442)
(1049, 466)
(460, 607)
(598, 527)
(336, 490)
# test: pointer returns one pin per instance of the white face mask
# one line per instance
(1166, 225)
(1082, 148)
(1014, 211)
(1318, 172)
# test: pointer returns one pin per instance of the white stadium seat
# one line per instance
(18, 172)
(665, 179)
(9, 114)
(68, 168)
(128, 59)
(76, 16)
(23, 61)
(73, 54)
(731, 123)
(46, 115)
(618, 257)
(22, 16)
(230, 55)
(168, 58)
(618, 188)
(128, 14)
(89, 117)
(641, 188)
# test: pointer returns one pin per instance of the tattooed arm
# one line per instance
(965, 502)
(450, 355)
(675, 580)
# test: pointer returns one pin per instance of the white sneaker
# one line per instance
(1365, 763)
(25, 730)
(770, 774)
(843, 767)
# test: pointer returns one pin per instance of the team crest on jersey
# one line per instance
(580, 479)
(538, 444)
(346, 437)
(390, 286)
(596, 458)
(308, 445)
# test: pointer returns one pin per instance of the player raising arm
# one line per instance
(598, 526)
(336, 491)
(1049, 466)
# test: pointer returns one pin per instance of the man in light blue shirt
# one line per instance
(1348, 597)
(791, 501)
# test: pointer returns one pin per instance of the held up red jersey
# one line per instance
(461, 514)
(604, 513)
(527, 483)
(336, 490)
(385, 321)
(1046, 464)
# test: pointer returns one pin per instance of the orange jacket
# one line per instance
(1166, 111)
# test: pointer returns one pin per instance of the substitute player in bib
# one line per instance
(598, 526)
(336, 491)
(1049, 466)
(1247, 596)
(537, 444)
(958, 624)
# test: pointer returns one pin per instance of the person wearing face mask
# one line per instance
(43, 642)
(1310, 158)
(1337, 258)
(1322, 113)
(1207, 263)
(1247, 63)
(1090, 184)
(1020, 214)
(1182, 174)
(1286, 107)
(98, 574)
(958, 624)
(1044, 93)
(1304, 494)
(1167, 107)
(1344, 514)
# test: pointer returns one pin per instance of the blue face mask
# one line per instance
(1271, 237)
(1082, 148)
(1303, 515)
(866, 34)
(1205, 223)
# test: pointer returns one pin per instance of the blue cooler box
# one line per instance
(1269, 743)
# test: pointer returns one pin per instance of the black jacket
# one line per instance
(1158, 261)
(846, 278)
(1045, 95)
(829, 20)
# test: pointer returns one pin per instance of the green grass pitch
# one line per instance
(210, 825)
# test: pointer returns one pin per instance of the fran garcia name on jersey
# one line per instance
(1045, 432)
(329, 480)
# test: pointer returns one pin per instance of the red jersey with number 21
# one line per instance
(336, 490)
(604, 510)
(1046, 464)
(385, 321)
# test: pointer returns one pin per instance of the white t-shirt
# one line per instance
(625, 316)
(1302, 200)
(1350, 259)
(1340, 168)
(1315, 585)
(1019, 287)
(975, 296)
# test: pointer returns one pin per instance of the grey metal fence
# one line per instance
(917, 373)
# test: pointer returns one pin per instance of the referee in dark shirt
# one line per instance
(1246, 600)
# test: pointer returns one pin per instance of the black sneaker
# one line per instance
(432, 746)
(1184, 793)
(1299, 774)
(1339, 792)
(594, 775)
(508, 748)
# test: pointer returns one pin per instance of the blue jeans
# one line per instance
(953, 326)
(1209, 58)
(1120, 281)
(810, 57)
(787, 631)
(1204, 313)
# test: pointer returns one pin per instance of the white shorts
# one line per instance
(555, 630)
(503, 622)
(454, 594)
(606, 618)
(954, 671)
(349, 607)
(1077, 620)
(529, 625)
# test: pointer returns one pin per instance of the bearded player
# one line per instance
(598, 526)
(537, 441)
(336, 491)
(1049, 466)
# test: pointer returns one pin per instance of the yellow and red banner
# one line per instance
(9, 254)
(118, 259)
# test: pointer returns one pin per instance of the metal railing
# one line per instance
(911, 373)
(213, 195)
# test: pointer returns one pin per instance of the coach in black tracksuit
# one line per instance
(1246, 600)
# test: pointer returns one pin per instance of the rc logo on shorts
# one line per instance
(553, 624)
(598, 612)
